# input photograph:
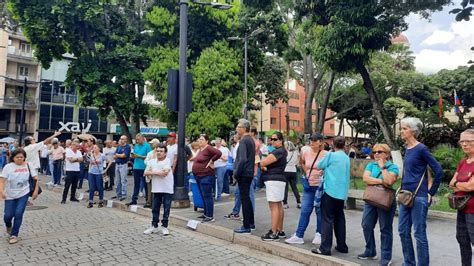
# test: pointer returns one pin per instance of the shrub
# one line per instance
(449, 158)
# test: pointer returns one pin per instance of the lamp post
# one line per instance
(245, 39)
(180, 196)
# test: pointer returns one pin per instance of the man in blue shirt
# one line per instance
(140, 151)
(122, 156)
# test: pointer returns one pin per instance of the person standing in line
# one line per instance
(382, 172)
(221, 167)
(244, 173)
(140, 151)
(44, 161)
(273, 168)
(150, 155)
(159, 171)
(58, 157)
(96, 170)
(122, 156)
(336, 166)
(15, 190)
(203, 170)
(312, 180)
(290, 174)
(462, 183)
(417, 159)
(109, 152)
(73, 170)
(172, 153)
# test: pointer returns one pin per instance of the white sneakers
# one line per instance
(317, 239)
(153, 230)
(295, 240)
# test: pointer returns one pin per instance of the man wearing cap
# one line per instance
(122, 156)
(58, 157)
(109, 152)
(32, 148)
(140, 151)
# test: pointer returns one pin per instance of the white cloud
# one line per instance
(439, 37)
(431, 61)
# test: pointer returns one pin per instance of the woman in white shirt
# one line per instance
(15, 190)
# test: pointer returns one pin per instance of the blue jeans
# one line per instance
(415, 216)
(205, 184)
(220, 172)
(121, 172)
(14, 210)
(226, 188)
(238, 203)
(51, 170)
(369, 220)
(158, 199)
(137, 179)
(57, 171)
(84, 174)
(307, 207)
(96, 184)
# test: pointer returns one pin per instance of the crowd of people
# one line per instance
(249, 164)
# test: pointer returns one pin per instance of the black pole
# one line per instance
(261, 116)
(180, 196)
(245, 78)
(279, 111)
(22, 115)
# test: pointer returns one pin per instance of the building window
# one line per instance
(293, 109)
(45, 91)
(273, 120)
(23, 71)
(331, 126)
(294, 123)
(45, 111)
(25, 48)
(293, 95)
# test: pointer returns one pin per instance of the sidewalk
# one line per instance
(444, 249)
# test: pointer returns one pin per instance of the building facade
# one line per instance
(17, 68)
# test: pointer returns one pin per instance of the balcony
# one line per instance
(16, 102)
(19, 56)
(19, 80)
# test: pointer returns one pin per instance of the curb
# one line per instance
(250, 241)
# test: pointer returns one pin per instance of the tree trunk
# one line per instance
(138, 107)
(123, 124)
(377, 106)
(341, 126)
(324, 104)
(310, 90)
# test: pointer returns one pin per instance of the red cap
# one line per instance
(172, 134)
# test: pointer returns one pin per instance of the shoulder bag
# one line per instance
(32, 182)
(305, 178)
(459, 202)
(379, 196)
(406, 197)
(105, 177)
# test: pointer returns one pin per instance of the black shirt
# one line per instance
(244, 163)
(275, 170)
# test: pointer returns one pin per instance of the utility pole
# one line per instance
(22, 115)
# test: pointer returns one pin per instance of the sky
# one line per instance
(442, 43)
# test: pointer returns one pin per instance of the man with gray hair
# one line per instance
(32, 149)
(244, 172)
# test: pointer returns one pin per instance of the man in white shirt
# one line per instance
(32, 149)
(220, 166)
(109, 152)
(172, 148)
(73, 170)
(44, 161)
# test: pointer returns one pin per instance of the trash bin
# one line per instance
(197, 197)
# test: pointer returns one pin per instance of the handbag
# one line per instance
(379, 196)
(406, 197)
(33, 182)
(105, 177)
(305, 182)
(458, 202)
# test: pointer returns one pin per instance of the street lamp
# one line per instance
(245, 39)
(180, 196)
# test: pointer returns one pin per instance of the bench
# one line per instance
(354, 194)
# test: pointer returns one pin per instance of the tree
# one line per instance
(353, 30)
(105, 38)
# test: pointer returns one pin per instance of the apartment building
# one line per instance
(17, 66)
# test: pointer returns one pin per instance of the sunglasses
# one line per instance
(274, 139)
(378, 152)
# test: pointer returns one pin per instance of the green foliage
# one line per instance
(271, 79)
(449, 158)
(401, 105)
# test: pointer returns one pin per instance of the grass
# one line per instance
(440, 201)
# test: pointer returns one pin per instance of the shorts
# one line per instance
(275, 190)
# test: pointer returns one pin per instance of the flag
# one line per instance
(440, 114)
(457, 103)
